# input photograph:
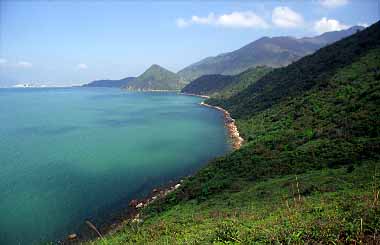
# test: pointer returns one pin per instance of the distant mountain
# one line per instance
(110, 83)
(224, 86)
(333, 36)
(156, 78)
(274, 52)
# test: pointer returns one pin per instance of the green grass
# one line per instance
(330, 206)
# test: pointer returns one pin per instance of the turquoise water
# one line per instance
(67, 155)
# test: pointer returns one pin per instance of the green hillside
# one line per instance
(222, 86)
(156, 78)
(208, 84)
(309, 171)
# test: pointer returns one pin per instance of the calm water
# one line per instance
(67, 155)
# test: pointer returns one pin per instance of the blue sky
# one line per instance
(72, 42)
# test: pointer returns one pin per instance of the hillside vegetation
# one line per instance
(309, 171)
(222, 86)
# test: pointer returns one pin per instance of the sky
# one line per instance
(74, 42)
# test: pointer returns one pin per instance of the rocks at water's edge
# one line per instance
(233, 132)
(72, 237)
(156, 194)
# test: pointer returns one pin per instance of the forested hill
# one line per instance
(156, 78)
(224, 86)
(313, 71)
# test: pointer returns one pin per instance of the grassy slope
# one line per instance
(327, 135)
(330, 207)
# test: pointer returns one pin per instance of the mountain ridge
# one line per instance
(273, 51)
(154, 78)
(268, 51)
(109, 83)
(266, 91)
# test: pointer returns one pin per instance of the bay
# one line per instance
(72, 154)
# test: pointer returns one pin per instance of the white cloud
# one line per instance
(363, 24)
(82, 66)
(286, 17)
(242, 19)
(3, 61)
(210, 19)
(181, 23)
(333, 3)
(247, 19)
(24, 64)
(326, 25)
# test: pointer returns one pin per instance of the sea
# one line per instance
(68, 155)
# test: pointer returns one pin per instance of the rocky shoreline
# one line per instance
(132, 215)
(233, 132)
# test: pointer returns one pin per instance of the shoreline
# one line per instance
(133, 213)
(195, 95)
(130, 214)
(229, 122)
(151, 90)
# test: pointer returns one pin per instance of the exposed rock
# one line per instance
(72, 236)
(140, 205)
(133, 203)
(233, 132)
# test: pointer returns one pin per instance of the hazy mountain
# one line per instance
(269, 51)
(333, 36)
(110, 83)
(156, 78)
